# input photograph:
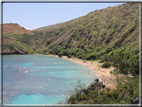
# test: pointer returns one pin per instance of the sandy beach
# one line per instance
(103, 74)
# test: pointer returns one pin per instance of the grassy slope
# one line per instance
(98, 35)
(113, 27)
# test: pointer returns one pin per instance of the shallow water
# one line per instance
(40, 79)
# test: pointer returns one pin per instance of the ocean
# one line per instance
(41, 79)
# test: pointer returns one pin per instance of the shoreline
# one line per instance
(102, 73)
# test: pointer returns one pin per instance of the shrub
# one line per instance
(69, 56)
(37, 43)
(48, 42)
(80, 53)
(60, 54)
(83, 57)
(91, 56)
(101, 61)
(46, 53)
(111, 72)
(96, 93)
(31, 51)
(11, 46)
(106, 65)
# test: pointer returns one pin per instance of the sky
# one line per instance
(36, 15)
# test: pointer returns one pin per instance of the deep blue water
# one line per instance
(40, 79)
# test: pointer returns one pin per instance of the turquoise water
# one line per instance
(40, 79)
(38, 99)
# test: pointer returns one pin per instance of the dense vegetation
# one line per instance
(96, 93)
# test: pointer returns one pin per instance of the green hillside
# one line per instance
(110, 34)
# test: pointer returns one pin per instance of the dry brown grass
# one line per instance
(15, 28)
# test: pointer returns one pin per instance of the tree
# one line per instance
(60, 54)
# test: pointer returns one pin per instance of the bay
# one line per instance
(41, 79)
